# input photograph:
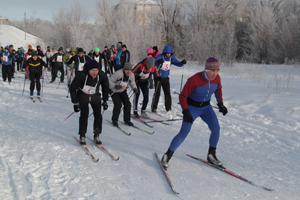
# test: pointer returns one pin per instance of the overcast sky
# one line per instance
(43, 9)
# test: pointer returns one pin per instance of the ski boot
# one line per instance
(82, 140)
(38, 94)
(129, 123)
(135, 113)
(144, 114)
(166, 158)
(212, 158)
(96, 136)
(31, 94)
(115, 123)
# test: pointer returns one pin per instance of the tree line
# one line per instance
(257, 31)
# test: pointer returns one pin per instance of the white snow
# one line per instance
(12, 35)
(259, 141)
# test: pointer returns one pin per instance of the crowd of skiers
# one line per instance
(85, 75)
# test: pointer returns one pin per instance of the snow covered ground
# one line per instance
(259, 140)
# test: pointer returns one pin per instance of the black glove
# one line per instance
(135, 90)
(159, 78)
(183, 62)
(118, 87)
(137, 78)
(187, 116)
(160, 61)
(222, 108)
(76, 107)
(105, 106)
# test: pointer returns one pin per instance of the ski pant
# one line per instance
(208, 116)
(165, 84)
(19, 66)
(35, 78)
(112, 66)
(13, 68)
(84, 101)
(6, 69)
(118, 99)
(55, 69)
(70, 75)
(145, 90)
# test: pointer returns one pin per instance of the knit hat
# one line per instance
(92, 64)
(97, 49)
(60, 49)
(212, 64)
(67, 49)
(7, 47)
(34, 53)
(112, 46)
(128, 66)
(150, 62)
(155, 48)
(119, 46)
(73, 49)
(80, 50)
(105, 47)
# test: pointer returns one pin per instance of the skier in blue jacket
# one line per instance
(7, 58)
(163, 62)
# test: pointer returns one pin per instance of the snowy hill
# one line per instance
(12, 35)
(259, 141)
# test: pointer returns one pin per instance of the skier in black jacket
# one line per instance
(84, 89)
(35, 68)
(58, 65)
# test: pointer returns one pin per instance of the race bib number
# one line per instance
(97, 59)
(5, 58)
(124, 84)
(59, 59)
(80, 67)
(166, 66)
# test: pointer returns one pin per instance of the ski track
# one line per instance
(40, 160)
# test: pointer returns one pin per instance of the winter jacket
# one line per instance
(79, 82)
(51, 53)
(156, 54)
(35, 66)
(57, 59)
(118, 77)
(174, 61)
(40, 53)
(125, 57)
(66, 57)
(106, 55)
(10, 58)
(200, 89)
(141, 70)
(118, 57)
(76, 59)
(98, 58)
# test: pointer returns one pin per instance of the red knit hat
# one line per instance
(212, 64)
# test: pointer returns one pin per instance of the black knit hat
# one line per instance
(154, 48)
(34, 53)
(91, 64)
(80, 50)
(60, 49)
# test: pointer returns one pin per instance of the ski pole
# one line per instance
(58, 85)
(24, 85)
(181, 78)
(43, 81)
(70, 115)
(165, 120)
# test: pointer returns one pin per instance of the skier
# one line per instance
(125, 56)
(118, 56)
(105, 54)
(156, 52)
(195, 102)
(39, 51)
(163, 62)
(118, 83)
(97, 56)
(58, 65)
(112, 55)
(84, 90)
(142, 71)
(7, 58)
(35, 67)
(70, 68)
(79, 60)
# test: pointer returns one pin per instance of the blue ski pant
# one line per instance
(208, 116)
(145, 90)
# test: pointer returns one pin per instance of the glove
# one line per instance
(105, 106)
(159, 78)
(160, 61)
(76, 107)
(222, 108)
(137, 78)
(183, 62)
(187, 116)
(135, 90)
(118, 87)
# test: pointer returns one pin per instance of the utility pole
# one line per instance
(25, 24)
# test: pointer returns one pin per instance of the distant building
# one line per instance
(4, 21)
(144, 10)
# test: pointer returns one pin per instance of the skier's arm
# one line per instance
(104, 86)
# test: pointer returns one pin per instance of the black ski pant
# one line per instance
(141, 85)
(118, 99)
(35, 78)
(84, 101)
(55, 69)
(6, 70)
(19, 66)
(165, 84)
